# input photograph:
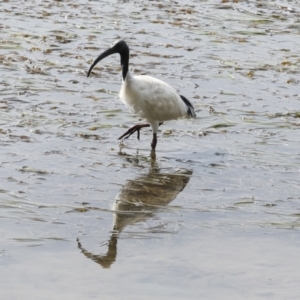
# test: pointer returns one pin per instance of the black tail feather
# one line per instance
(190, 107)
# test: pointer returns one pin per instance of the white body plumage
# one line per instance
(151, 99)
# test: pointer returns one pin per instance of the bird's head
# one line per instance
(119, 46)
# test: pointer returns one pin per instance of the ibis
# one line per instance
(147, 97)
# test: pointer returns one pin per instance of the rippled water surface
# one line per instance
(215, 216)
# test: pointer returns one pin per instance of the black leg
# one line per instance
(154, 141)
(132, 130)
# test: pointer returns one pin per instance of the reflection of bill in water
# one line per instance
(137, 201)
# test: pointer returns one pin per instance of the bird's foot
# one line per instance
(133, 129)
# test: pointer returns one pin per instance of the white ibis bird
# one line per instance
(147, 97)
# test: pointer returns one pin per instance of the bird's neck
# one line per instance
(124, 63)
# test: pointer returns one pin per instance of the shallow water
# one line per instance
(215, 216)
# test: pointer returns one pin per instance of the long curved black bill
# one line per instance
(103, 55)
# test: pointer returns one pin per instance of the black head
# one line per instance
(120, 47)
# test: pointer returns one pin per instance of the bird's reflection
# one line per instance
(138, 200)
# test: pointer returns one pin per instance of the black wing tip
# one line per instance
(190, 107)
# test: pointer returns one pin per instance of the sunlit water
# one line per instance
(216, 216)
